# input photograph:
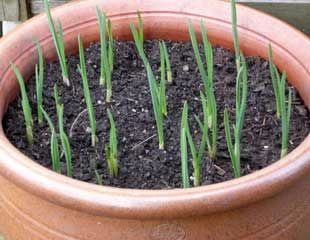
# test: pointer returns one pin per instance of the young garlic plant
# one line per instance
(63, 136)
(206, 73)
(25, 104)
(183, 146)
(59, 43)
(54, 143)
(158, 91)
(283, 110)
(107, 54)
(241, 99)
(39, 71)
(87, 96)
(111, 147)
(197, 154)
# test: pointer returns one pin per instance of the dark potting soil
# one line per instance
(141, 164)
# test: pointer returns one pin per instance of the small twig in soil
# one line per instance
(75, 122)
(144, 141)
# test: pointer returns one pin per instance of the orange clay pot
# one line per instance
(273, 203)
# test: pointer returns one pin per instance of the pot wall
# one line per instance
(25, 216)
(274, 203)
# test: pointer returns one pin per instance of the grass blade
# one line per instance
(99, 179)
(140, 28)
(183, 146)
(54, 143)
(235, 33)
(25, 104)
(157, 100)
(59, 43)
(56, 98)
(197, 54)
(156, 106)
(167, 61)
(65, 141)
(39, 72)
(110, 47)
(107, 54)
(274, 76)
(230, 144)
(103, 45)
(87, 96)
(111, 148)
(162, 85)
(283, 111)
(207, 76)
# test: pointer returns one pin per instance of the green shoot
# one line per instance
(65, 141)
(197, 154)
(167, 61)
(88, 99)
(56, 98)
(183, 146)
(157, 90)
(25, 104)
(274, 81)
(63, 136)
(59, 43)
(140, 28)
(206, 73)
(110, 48)
(99, 179)
(241, 98)
(103, 43)
(162, 85)
(39, 82)
(111, 148)
(285, 115)
(54, 143)
(235, 33)
(107, 55)
(283, 111)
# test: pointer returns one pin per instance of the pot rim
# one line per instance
(150, 204)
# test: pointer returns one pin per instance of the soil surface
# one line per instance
(141, 164)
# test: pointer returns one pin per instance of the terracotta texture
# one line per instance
(272, 204)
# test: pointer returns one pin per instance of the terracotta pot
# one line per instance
(274, 203)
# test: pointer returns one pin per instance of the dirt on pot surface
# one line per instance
(141, 164)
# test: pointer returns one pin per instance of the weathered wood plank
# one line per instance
(13, 10)
(296, 14)
(9, 10)
(36, 6)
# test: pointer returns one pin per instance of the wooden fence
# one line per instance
(295, 12)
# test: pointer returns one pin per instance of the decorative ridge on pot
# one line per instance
(156, 204)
